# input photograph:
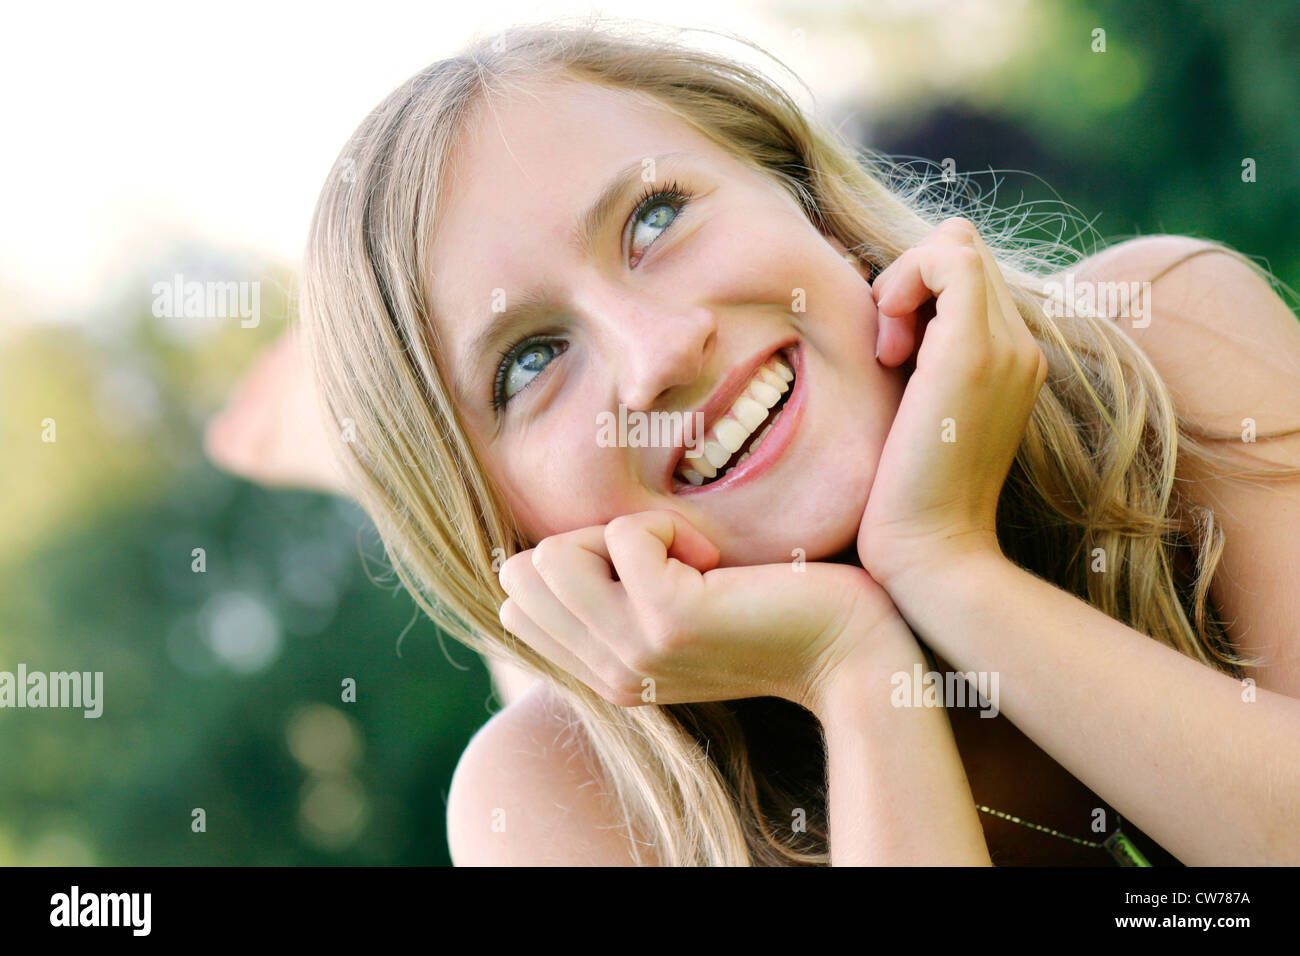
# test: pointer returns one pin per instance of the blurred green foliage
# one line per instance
(223, 689)
(1146, 137)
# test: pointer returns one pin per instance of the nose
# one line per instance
(657, 349)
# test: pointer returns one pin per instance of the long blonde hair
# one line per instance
(1095, 468)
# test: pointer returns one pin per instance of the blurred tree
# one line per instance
(1149, 135)
(223, 687)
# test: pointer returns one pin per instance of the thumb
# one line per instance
(684, 541)
(641, 545)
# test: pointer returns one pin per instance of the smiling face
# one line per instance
(670, 307)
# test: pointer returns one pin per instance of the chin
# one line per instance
(817, 535)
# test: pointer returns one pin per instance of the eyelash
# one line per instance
(672, 195)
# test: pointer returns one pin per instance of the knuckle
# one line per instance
(982, 364)
(545, 552)
(508, 614)
(621, 689)
(620, 698)
(629, 688)
(1028, 352)
(661, 640)
(1040, 369)
(966, 257)
(960, 226)
(668, 636)
(611, 674)
(509, 571)
(619, 526)
(642, 659)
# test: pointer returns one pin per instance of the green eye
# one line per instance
(520, 364)
(524, 361)
(665, 204)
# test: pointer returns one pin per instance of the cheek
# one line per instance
(534, 492)
(552, 493)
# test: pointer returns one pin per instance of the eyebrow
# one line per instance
(532, 303)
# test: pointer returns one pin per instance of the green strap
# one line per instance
(1124, 851)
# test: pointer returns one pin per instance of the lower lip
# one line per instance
(773, 446)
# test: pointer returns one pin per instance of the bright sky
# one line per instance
(218, 122)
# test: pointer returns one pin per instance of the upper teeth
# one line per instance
(731, 431)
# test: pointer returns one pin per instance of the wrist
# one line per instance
(862, 678)
(916, 574)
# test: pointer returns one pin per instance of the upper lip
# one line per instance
(723, 397)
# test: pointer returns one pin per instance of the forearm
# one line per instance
(898, 794)
(1172, 744)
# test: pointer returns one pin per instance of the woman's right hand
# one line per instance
(639, 611)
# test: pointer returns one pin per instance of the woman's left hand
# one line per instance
(964, 410)
(639, 610)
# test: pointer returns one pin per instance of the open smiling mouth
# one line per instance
(742, 430)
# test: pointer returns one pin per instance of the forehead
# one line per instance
(528, 162)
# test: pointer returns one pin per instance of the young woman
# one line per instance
(950, 464)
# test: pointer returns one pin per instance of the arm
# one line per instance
(1181, 749)
(898, 793)
(525, 793)
(1207, 769)
(677, 627)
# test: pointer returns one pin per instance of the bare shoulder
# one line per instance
(1228, 347)
(1219, 335)
(528, 792)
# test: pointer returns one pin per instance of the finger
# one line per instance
(898, 330)
(523, 627)
(524, 584)
(1019, 334)
(1015, 324)
(953, 275)
(949, 232)
(902, 290)
(577, 568)
(656, 553)
(1004, 318)
(739, 600)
